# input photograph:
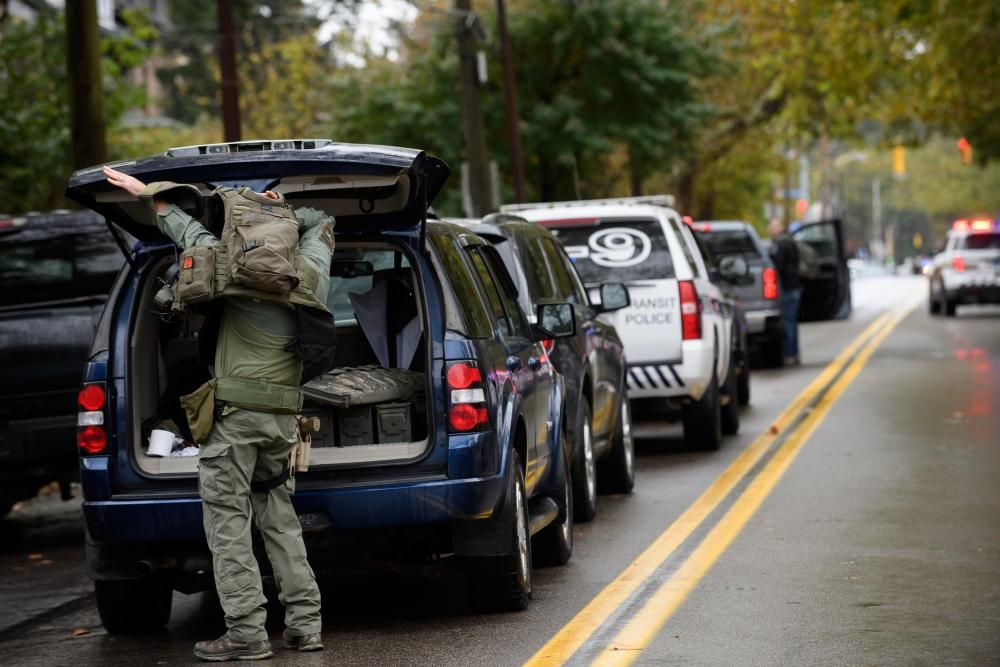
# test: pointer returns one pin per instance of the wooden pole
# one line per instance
(231, 130)
(510, 94)
(88, 123)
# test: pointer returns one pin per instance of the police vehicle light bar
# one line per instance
(651, 200)
(245, 146)
(975, 225)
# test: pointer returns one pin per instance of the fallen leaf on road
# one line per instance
(773, 430)
(79, 632)
(36, 556)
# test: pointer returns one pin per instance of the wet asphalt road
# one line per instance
(879, 545)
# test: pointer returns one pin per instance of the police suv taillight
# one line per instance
(770, 278)
(466, 397)
(690, 311)
(91, 437)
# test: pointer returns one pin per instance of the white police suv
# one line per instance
(968, 271)
(680, 334)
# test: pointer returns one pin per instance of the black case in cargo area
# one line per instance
(367, 405)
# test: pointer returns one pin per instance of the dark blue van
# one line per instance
(471, 464)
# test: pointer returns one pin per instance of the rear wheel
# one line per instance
(554, 545)
(504, 582)
(134, 605)
(950, 306)
(703, 419)
(730, 408)
(617, 472)
(933, 305)
(584, 470)
(743, 376)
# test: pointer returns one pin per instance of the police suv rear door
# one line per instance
(633, 250)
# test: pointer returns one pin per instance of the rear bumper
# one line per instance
(975, 293)
(441, 501)
(763, 322)
(687, 379)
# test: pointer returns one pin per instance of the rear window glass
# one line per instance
(619, 250)
(458, 276)
(721, 244)
(980, 242)
(338, 299)
(52, 268)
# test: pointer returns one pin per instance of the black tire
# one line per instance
(703, 419)
(933, 306)
(743, 375)
(584, 469)
(950, 306)
(554, 544)
(774, 350)
(503, 583)
(729, 402)
(617, 472)
(134, 605)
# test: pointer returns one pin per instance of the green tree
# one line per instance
(35, 156)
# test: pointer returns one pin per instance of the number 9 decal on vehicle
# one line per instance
(616, 247)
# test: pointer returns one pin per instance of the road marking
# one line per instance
(573, 635)
(643, 627)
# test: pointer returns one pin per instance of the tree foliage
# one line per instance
(35, 155)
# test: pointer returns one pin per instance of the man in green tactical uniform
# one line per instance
(250, 441)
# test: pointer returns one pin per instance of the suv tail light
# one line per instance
(958, 263)
(548, 344)
(91, 437)
(466, 397)
(770, 277)
(690, 311)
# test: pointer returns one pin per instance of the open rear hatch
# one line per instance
(373, 284)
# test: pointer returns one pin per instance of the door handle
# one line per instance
(534, 363)
(513, 363)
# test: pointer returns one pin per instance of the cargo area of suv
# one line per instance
(371, 406)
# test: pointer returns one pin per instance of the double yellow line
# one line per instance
(795, 424)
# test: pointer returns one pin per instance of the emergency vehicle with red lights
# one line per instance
(968, 270)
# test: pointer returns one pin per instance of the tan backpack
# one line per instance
(262, 240)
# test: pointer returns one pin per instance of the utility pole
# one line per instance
(227, 65)
(510, 94)
(480, 192)
(88, 125)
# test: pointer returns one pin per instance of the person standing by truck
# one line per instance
(785, 255)
(247, 413)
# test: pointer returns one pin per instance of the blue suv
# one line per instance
(470, 462)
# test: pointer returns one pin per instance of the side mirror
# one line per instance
(734, 269)
(614, 296)
(555, 320)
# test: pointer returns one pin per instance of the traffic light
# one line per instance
(965, 149)
(899, 162)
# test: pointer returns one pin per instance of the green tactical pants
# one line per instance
(245, 446)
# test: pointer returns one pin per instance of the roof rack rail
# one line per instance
(649, 200)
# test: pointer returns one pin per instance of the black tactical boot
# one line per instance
(312, 642)
(224, 648)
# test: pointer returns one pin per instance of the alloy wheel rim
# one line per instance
(522, 533)
(567, 524)
(588, 464)
(627, 442)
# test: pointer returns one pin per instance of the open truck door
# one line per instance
(826, 295)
